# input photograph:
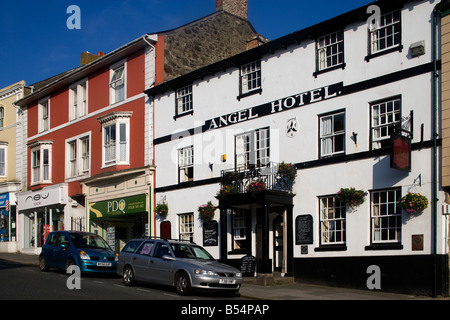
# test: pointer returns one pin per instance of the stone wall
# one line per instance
(208, 40)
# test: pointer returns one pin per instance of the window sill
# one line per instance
(398, 48)
(188, 113)
(251, 93)
(384, 246)
(339, 66)
(331, 247)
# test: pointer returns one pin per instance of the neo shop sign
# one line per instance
(118, 207)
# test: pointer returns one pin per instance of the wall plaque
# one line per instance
(304, 233)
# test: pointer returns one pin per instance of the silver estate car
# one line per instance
(184, 265)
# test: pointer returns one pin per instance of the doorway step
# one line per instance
(269, 280)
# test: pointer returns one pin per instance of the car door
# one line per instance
(61, 251)
(160, 270)
(140, 261)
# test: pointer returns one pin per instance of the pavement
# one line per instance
(289, 291)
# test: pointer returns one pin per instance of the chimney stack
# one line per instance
(236, 7)
(87, 57)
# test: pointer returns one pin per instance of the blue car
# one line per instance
(86, 250)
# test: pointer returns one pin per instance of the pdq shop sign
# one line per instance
(115, 207)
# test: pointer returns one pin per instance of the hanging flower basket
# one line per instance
(206, 211)
(352, 197)
(226, 190)
(162, 209)
(414, 203)
(256, 186)
(288, 171)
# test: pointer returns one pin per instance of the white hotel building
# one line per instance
(328, 100)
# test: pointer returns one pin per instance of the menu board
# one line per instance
(210, 234)
(248, 264)
(304, 230)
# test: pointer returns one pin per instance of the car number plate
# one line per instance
(103, 264)
(227, 281)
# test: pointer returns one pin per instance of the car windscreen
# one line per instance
(187, 251)
(89, 241)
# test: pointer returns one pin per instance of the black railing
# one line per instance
(266, 177)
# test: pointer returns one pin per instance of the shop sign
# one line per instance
(4, 199)
(277, 106)
(118, 207)
(42, 198)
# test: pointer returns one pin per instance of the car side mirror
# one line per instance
(62, 246)
(167, 257)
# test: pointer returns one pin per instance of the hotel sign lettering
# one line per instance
(277, 106)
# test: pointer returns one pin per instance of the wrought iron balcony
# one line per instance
(256, 179)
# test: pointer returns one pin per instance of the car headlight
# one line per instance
(205, 272)
(84, 256)
(238, 275)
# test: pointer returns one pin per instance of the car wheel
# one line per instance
(43, 264)
(69, 263)
(128, 276)
(183, 284)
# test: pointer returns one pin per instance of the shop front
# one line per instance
(120, 205)
(40, 212)
(8, 222)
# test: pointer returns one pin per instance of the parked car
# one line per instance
(184, 265)
(90, 252)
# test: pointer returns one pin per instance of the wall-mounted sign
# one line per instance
(292, 128)
(304, 233)
(401, 153)
(118, 207)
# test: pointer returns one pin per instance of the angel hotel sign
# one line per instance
(277, 106)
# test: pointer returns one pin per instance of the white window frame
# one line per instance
(78, 164)
(121, 145)
(333, 214)
(185, 100)
(185, 163)
(115, 82)
(78, 100)
(38, 170)
(385, 114)
(186, 223)
(252, 149)
(44, 115)
(329, 135)
(375, 32)
(251, 77)
(385, 213)
(330, 50)
(4, 163)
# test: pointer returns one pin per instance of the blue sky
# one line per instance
(36, 44)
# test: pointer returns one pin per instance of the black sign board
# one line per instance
(210, 233)
(304, 230)
(248, 264)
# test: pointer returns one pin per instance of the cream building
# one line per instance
(9, 163)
